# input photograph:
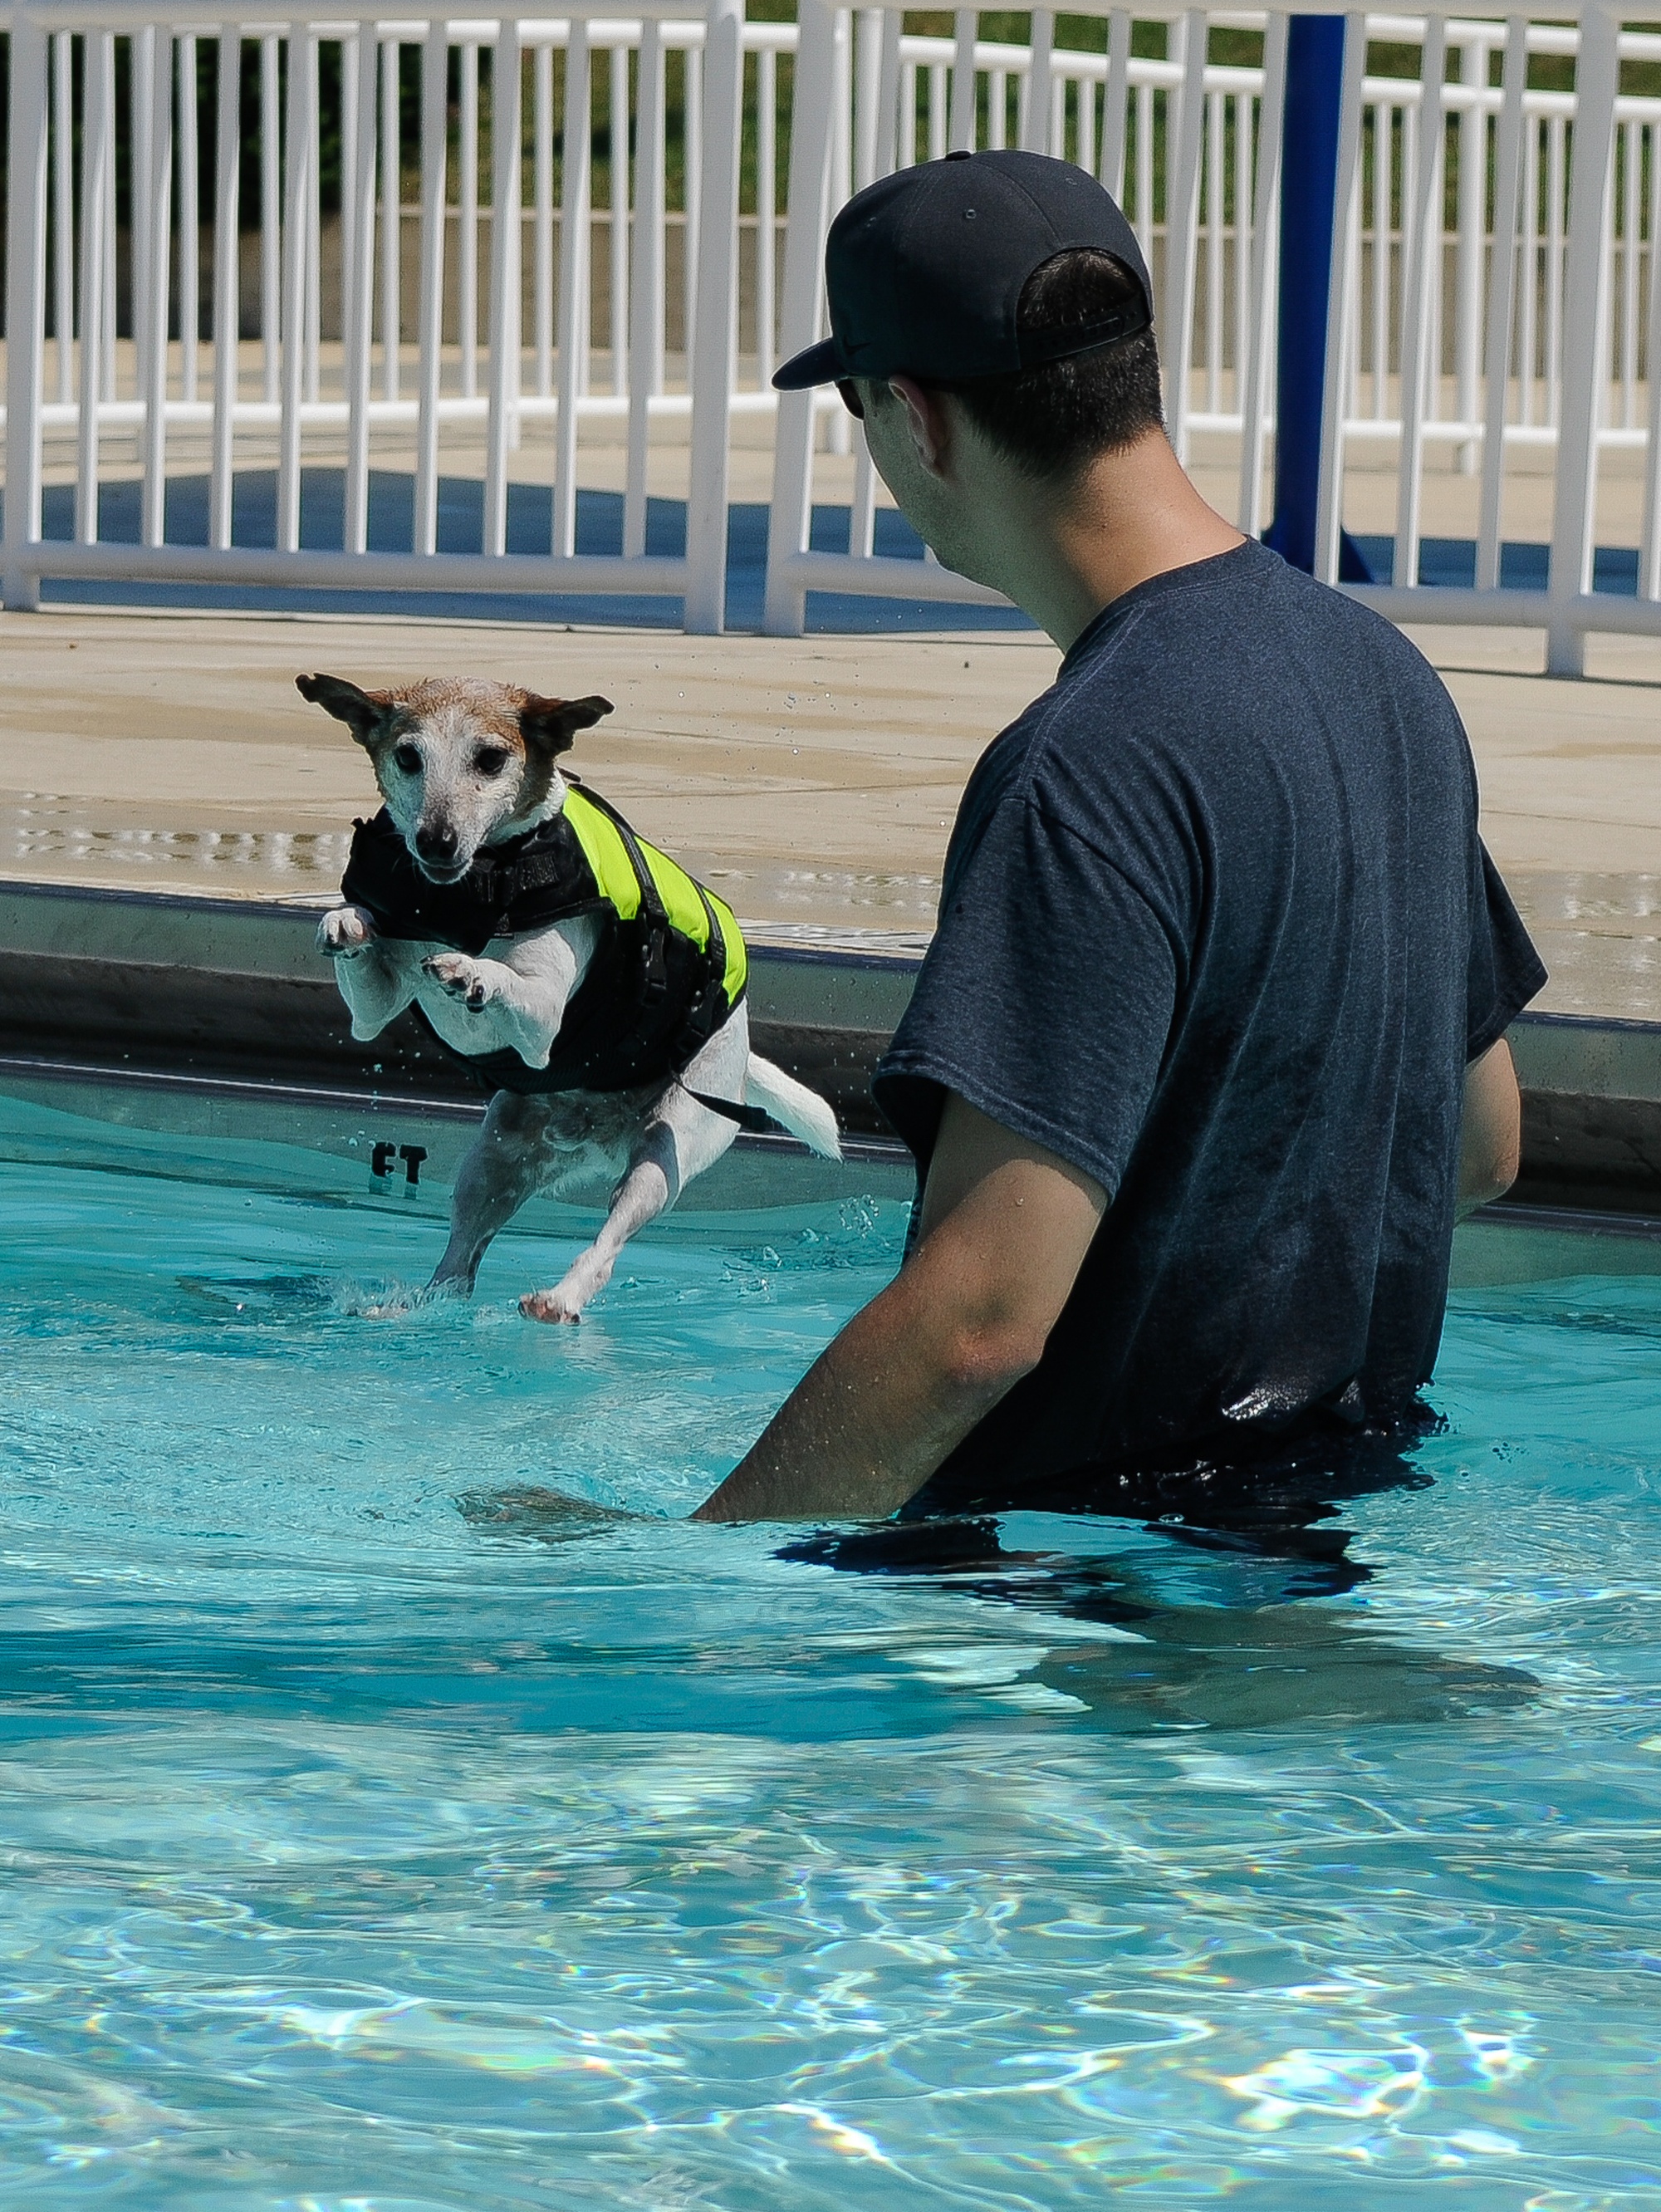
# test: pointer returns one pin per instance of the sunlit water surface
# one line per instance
(374, 1837)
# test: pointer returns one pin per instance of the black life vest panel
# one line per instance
(668, 967)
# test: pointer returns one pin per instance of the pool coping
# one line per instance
(165, 984)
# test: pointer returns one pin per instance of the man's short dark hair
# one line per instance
(1054, 420)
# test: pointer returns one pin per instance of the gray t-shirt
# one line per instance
(1217, 928)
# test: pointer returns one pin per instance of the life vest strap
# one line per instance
(755, 1119)
(656, 973)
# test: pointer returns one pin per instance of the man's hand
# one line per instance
(1491, 1130)
(1004, 1231)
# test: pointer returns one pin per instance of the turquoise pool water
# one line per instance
(374, 1840)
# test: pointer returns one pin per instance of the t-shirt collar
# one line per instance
(1169, 579)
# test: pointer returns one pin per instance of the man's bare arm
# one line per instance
(1491, 1131)
(1004, 1231)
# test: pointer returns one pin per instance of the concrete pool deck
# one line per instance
(813, 780)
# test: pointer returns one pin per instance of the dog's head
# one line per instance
(462, 763)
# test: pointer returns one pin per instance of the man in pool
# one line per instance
(1208, 1050)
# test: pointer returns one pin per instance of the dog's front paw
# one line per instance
(462, 978)
(343, 931)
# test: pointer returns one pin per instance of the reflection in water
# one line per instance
(46, 829)
(838, 937)
(1228, 1640)
(1220, 1631)
(552, 1516)
(862, 910)
(897, 896)
(828, 908)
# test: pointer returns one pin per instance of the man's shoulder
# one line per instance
(1239, 640)
(1187, 693)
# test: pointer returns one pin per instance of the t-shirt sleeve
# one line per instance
(1045, 1001)
(1505, 971)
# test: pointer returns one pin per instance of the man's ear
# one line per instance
(551, 725)
(926, 422)
(361, 711)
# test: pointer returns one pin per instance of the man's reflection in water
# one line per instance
(1229, 1641)
(1222, 1630)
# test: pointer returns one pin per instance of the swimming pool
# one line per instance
(377, 1837)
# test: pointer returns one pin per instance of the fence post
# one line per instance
(97, 252)
(961, 127)
(1504, 284)
(1335, 559)
(63, 211)
(869, 111)
(1182, 228)
(506, 277)
(1586, 336)
(1422, 274)
(190, 218)
(358, 295)
(1313, 243)
(645, 319)
(26, 306)
(227, 303)
(1471, 219)
(299, 153)
(140, 75)
(809, 212)
(1252, 375)
(1116, 102)
(434, 115)
(1036, 100)
(576, 241)
(153, 307)
(715, 338)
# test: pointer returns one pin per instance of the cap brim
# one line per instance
(819, 364)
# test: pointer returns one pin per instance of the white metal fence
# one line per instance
(1517, 312)
(1496, 308)
(345, 354)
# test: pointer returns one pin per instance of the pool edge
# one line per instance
(159, 984)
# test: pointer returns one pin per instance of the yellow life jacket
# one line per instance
(670, 967)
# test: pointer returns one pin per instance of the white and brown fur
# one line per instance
(464, 765)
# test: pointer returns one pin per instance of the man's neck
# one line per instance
(1133, 516)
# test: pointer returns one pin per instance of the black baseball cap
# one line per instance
(924, 269)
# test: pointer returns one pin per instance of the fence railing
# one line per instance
(1494, 284)
(346, 350)
(242, 259)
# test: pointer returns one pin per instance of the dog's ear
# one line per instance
(551, 725)
(361, 711)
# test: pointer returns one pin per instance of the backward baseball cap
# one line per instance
(924, 271)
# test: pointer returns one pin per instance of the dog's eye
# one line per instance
(491, 760)
(407, 760)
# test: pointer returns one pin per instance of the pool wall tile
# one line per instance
(229, 992)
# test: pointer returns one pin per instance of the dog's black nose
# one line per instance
(438, 845)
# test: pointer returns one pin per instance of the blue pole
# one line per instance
(1309, 188)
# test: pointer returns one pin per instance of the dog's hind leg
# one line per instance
(681, 1138)
(652, 1183)
(505, 1167)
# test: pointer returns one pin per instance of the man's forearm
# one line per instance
(1005, 1228)
(872, 1418)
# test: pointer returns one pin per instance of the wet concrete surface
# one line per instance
(813, 782)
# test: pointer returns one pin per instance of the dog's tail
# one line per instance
(793, 1106)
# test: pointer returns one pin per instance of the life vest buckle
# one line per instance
(654, 967)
